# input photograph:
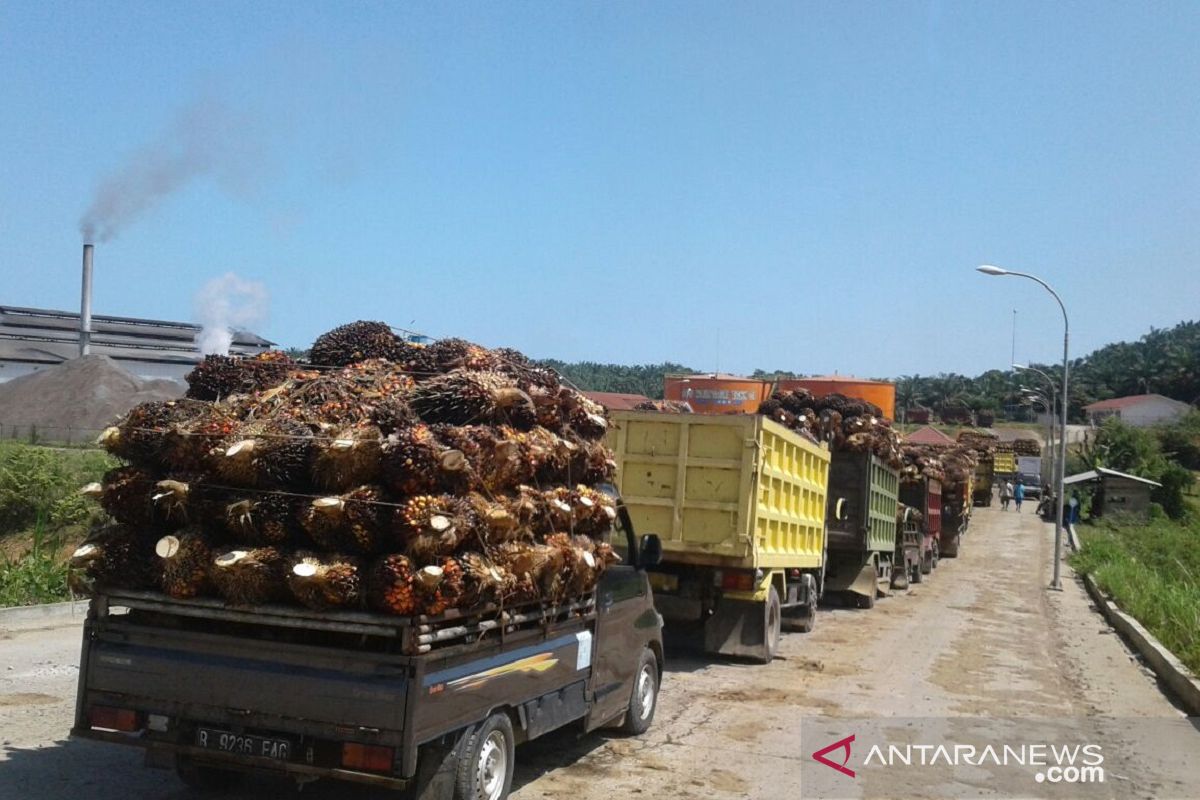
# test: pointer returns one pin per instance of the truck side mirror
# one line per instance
(650, 552)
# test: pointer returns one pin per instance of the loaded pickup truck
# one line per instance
(433, 705)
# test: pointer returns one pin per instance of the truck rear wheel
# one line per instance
(485, 768)
(643, 700)
(773, 628)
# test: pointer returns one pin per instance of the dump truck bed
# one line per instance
(732, 491)
(862, 503)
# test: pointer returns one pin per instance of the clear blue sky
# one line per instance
(801, 186)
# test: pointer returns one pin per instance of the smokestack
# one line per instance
(85, 304)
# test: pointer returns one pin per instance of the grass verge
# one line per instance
(1152, 571)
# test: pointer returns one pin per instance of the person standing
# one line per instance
(1019, 495)
(1006, 493)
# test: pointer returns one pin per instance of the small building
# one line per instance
(617, 401)
(1139, 410)
(1115, 492)
(32, 339)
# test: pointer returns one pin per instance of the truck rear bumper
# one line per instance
(163, 753)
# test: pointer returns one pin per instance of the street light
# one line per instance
(1050, 411)
(988, 269)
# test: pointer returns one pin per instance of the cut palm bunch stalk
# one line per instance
(436, 525)
(464, 397)
(264, 518)
(498, 519)
(581, 567)
(586, 417)
(353, 522)
(483, 581)
(116, 556)
(415, 462)
(185, 558)
(250, 577)
(347, 457)
(139, 437)
(219, 377)
(390, 586)
(325, 580)
(356, 341)
(266, 454)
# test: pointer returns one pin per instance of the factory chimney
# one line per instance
(85, 304)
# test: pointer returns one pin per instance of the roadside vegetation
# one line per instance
(42, 515)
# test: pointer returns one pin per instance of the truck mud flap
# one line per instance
(736, 628)
(865, 582)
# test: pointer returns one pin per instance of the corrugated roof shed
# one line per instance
(617, 401)
(1117, 403)
(928, 435)
(1093, 474)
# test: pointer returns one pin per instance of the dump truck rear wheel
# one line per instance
(773, 625)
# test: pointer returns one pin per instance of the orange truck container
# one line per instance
(881, 393)
(717, 394)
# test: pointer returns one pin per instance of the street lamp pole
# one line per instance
(1051, 411)
(987, 269)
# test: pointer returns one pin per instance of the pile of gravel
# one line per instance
(76, 399)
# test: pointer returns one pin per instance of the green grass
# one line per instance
(38, 576)
(40, 486)
(1152, 571)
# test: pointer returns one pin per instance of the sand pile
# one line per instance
(81, 396)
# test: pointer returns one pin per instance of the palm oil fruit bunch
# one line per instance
(124, 494)
(356, 341)
(435, 525)
(140, 437)
(266, 454)
(185, 558)
(116, 556)
(440, 586)
(263, 518)
(247, 577)
(414, 461)
(354, 521)
(219, 377)
(346, 457)
(323, 581)
(465, 397)
(390, 587)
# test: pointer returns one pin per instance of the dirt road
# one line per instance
(983, 639)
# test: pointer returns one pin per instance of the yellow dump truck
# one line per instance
(739, 504)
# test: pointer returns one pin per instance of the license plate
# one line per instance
(243, 744)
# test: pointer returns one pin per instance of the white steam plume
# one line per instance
(224, 305)
(205, 138)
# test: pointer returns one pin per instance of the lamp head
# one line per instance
(988, 269)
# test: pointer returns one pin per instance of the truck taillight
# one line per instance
(738, 581)
(370, 757)
(114, 719)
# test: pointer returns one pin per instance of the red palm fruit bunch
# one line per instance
(264, 518)
(591, 462)
(347, 456)
(435, 525)
(451, 354)
(249, 577)
(325, 580)
(440, 586)
(356, 341)
(218, 377)
(192, 443)
(139, 436)
(493, 456)
(592, 511)
(465, 397)
(390, 586)
(266, 453)
(185, 558)
(113, 557)
(581, 568)
(586, 418)
(352, 522)
(415, 462)
(124, 494)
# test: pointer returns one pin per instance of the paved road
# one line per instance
(981, 643)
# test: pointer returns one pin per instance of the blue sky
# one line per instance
(801, 186)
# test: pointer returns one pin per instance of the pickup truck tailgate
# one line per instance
(204, 676)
